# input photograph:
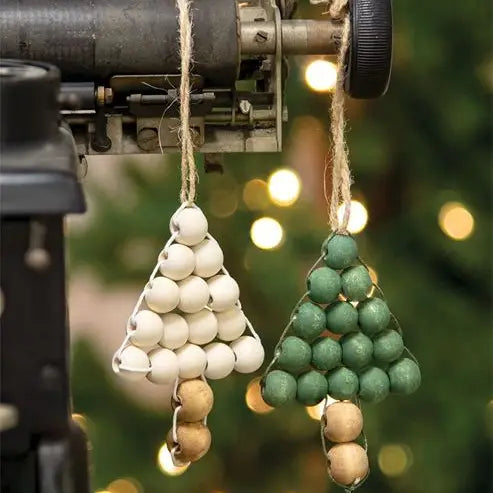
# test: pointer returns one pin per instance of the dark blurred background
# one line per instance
(422, 168)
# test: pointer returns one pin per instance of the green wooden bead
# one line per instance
(343, 383)
(324, 285)
(357, 350)
(309, 321)
(279, 388)
(295, 354)
(405, 376)
(373, 316)
(342, 317)
(387, 346)
(341, 251)
(356, 283)
(374, 385)
(312, 388)
(326, 353)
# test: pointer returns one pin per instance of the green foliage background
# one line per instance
(426, 142)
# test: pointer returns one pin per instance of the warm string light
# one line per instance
(255, 195)
(321, 75)
(456, 221)
(358, 216)
(254, 400)
(165, 463)
(266, 233)
(395, 459)
(284, 187)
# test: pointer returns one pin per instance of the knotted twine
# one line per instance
(341, 174)
(188, 167)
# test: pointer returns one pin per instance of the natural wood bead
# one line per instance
(230, 324)
(191, 224)
(344, 422)
(192, 361)
(162, 295)
(194, 294)
(209, 258)
(146, 329)
(196, 400)
(177, 263)
(348, 463)
(194, 440)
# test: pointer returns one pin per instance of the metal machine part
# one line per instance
(42, 450)
(119, 62)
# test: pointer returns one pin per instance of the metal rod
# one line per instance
(299, 37)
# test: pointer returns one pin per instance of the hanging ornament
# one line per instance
(342, 345)
(188, 324)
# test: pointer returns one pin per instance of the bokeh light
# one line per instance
(254, 400)
(223, 202)
(81, 420)
(358, 216)
(165, 463)
(124, 485)
(321, 75)
(395, 459)
(456, 221)
(255, 195)
(266, 233)
(284, 187)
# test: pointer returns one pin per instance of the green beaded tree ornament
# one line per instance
(342, 345)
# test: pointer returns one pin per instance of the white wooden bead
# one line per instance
(191, 224)
(177, 263)
(191, 361)
(220, 360)
(162, 295)
(164, 366)
(146, 330)
(175, 332)
(249, 354)
(230, 324)
(194, 294)
(202, 326)
(209, 258)
(137, 359)
(224, 292)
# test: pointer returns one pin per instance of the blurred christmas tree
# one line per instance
(421, 162)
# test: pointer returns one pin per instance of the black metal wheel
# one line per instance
(369, 59)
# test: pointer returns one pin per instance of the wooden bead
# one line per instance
(311, 388)
(340, 251)
(162, 295)
(356, 283)
(202, 326)
(373, 385)
(194, 441)
(324, 285)
(209, 258)
(194, 294)
(405, 376)
(344, 422)
(220, 360)
(164, 366)
(387, 346)
(191, 361)
(177, 263)
(373, 316)
(230, 324)
(136, 359)
(309, 321)
(343, 383)
(279, 388)
(191, 224)
(146, 329)
(224, 292)
(326, 353)
(196, 400)
(295, 354)
(249, 354)
(357, 350)
(175, 332)
(348, 463)
(342, 317)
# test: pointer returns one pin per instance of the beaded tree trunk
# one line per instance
(188, 326)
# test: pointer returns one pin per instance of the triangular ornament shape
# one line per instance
(188, 326)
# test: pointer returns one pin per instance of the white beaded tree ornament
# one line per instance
(188, 324)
